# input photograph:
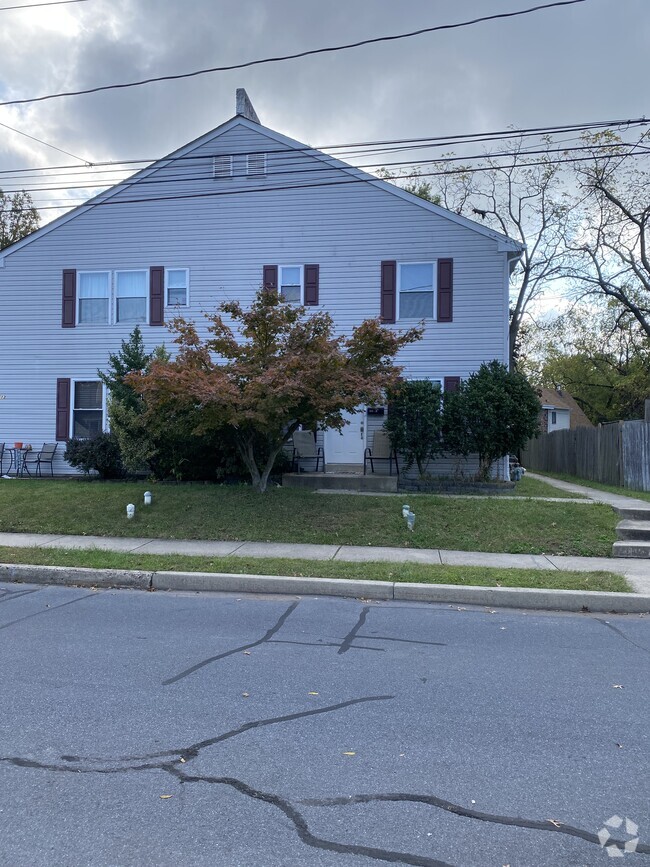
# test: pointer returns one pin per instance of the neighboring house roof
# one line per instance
(505, 244)
(552, 398)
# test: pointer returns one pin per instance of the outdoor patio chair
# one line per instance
(381, 450)
(305, 449)
(37, 459)
(2, 457)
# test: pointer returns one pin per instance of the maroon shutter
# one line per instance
(62, 409)
(388, 291)
(270, 277)
(311, 284)
(452, 383)
(445, 290)
(69, 305)
(156, 296)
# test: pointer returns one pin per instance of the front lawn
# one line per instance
(238, 513)
(403, 572)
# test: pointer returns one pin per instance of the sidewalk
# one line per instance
(636, 571)
(615, 500)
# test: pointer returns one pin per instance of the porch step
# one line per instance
(340, 481)
(635, 531)
(628, 548)
(633, 513)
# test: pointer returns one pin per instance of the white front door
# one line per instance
(344, 449)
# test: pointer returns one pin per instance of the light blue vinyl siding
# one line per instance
(224, 241)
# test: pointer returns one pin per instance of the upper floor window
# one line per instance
(93, 297)
(290, 283)
(176, 287)
(416, 287)
(131, 296)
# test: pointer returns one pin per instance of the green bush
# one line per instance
(100, 454)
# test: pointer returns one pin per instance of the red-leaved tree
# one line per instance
(284, 368)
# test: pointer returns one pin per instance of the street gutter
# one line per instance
(215, 582)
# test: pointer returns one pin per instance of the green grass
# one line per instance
(610, 489)
(292, 515)
(528, 487)
(403, 572)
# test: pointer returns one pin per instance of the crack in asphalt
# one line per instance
(187, 753)
(346, 644)
(268, 635)
(47, 610)
(458, 810)
(621, 634)
(301, 827)
(9, 595)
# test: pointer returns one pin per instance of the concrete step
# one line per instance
(639, 550)
(634, 531)
(341, 481)
(633, 513)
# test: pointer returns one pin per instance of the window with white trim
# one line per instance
(416, 289)
(177, 287)
(131, 296)
(87, 417)
(93, 295)
(290, 283)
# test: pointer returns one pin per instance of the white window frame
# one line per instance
(187, 287)
(147, 273)
(301, 269)
(108, 298)
(73, 386)
(434, 266)
(224, 160)
(250, 158)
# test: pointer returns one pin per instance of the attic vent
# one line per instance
(256, 165)
(222, 166)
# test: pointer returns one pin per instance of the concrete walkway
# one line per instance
(615, 500)
(636, 571)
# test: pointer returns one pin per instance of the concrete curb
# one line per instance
(75, 576)
(491, 597)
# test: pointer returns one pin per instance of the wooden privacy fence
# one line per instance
(613, 454)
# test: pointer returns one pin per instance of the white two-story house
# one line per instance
(240, 207)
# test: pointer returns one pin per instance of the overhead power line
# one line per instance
(631, 149)
(34, 5)
(358, 149)
(285, 187)
(47, 144)
(299, 54)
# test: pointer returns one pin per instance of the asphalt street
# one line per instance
(214, 729)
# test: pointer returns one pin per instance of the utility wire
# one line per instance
(47, 144)
(318, 168)
(267, 189)
(282, 58)
(34, 5)
(361, 148)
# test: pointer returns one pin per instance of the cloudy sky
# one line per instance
(586, 62)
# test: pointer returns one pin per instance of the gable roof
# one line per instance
(504, 243)
(551, 398)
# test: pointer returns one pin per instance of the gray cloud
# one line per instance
(584, 62)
